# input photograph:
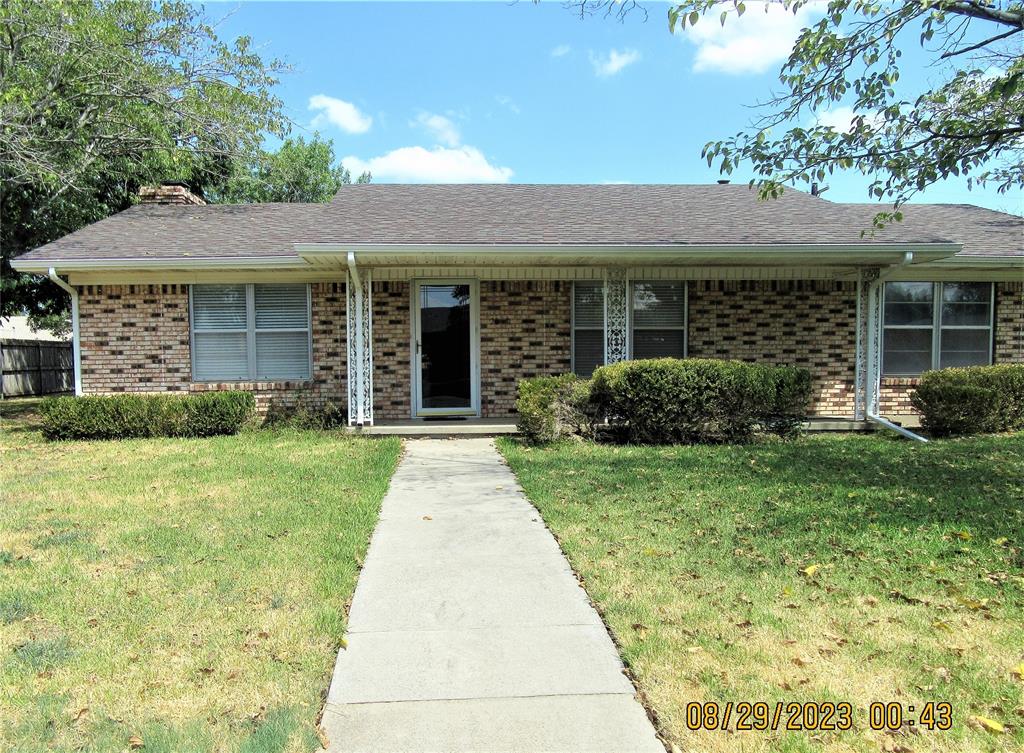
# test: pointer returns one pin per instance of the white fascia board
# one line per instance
(922, 251)
(42, 266)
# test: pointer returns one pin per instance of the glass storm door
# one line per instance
(445, 348)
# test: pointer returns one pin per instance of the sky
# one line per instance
(531, 93)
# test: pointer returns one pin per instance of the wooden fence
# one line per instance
(34, 367)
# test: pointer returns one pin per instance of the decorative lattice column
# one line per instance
(359, 337)
(869, 343)
(616, 315)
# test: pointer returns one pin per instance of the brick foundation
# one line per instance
(809, 323)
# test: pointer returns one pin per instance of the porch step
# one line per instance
(473, 427)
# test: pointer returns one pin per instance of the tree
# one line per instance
(99, 97)
(300, 171)
(969, 123)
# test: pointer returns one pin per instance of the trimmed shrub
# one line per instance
(140, 415)
(971, 400)
(672, 401)
(788, 395)
(553, 407)
(327, 416)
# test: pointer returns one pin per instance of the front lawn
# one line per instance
(177, 595)
(831, 568)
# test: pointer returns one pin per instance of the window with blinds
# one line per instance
(587, 327)
(256, 331)
(659, 319)
(934, 325)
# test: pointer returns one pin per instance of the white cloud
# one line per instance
(561, 51)
(441, 128)
(415, 164)
(507, 103)
(613, 62)
(755, 42)
(841, 119)
(344, 115)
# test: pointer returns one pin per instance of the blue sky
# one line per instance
(525, 93)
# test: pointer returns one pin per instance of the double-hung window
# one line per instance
(247, 332)
(587, 327)
(934, 325)
(659, 319)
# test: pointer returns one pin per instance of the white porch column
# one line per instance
(869, 343)
(616, 314)
(359, 339)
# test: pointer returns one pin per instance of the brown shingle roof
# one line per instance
(685, 215)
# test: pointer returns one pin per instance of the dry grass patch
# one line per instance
(190, 593)
(848, 568)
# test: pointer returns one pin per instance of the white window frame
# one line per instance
(250, 330)
(936, 325)
(572, 319)
(686, 316)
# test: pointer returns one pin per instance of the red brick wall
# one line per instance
(524, 332)
(135, 339)
(809, 323)
(1009, 322)
(392, 333)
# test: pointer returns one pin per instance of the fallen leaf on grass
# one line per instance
(810, 570)
(973, 604)
(80, 713)
(802, 661)
(1018, 671)
(135, 742)
(989, 725)
(963, 535)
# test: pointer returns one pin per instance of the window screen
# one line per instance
(659, 319)
(587, 327)
(250, 332)
(935, 325)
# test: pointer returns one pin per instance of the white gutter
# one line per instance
(354, 272)
(76, 337)
(885, 423)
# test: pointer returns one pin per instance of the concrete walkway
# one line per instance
(468, 630)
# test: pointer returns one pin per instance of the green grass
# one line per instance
(698, 558)
(191, 593)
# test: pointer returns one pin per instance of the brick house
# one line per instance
(404, 302)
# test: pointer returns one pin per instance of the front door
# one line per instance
(445, 369)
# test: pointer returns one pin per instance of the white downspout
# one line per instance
(76, 338)
(908, 258)
(360, 397)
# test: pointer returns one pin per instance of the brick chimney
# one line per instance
(169, 192)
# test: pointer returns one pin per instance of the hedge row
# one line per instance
(667, 401)
(971, 400)
(126, 416)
